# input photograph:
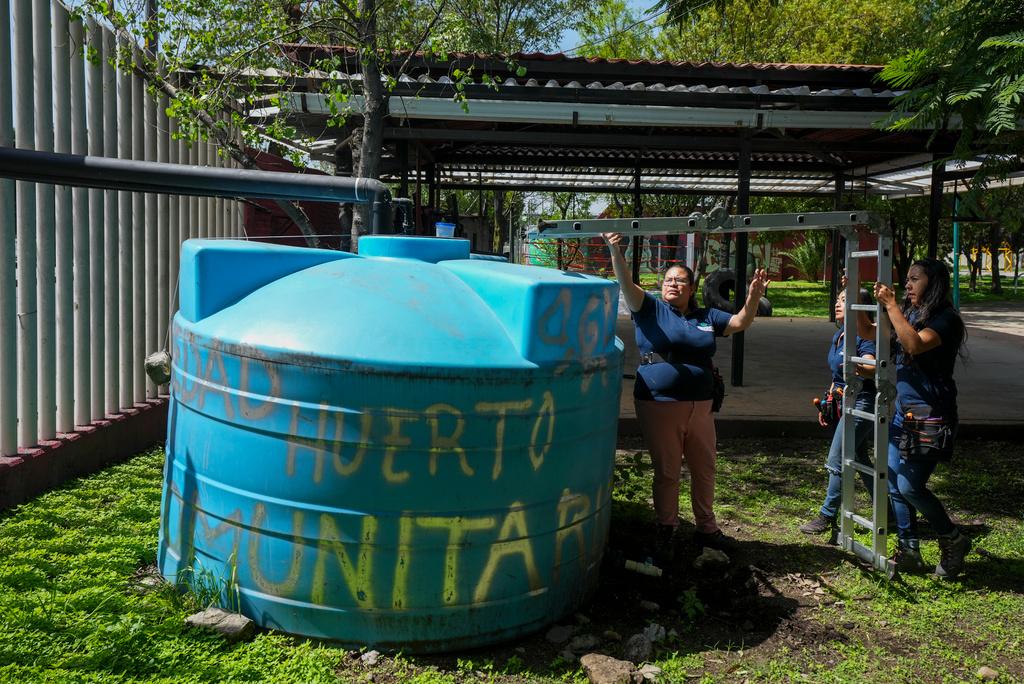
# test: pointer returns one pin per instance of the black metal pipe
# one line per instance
(201, 181)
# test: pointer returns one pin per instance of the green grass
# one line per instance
(71, 611)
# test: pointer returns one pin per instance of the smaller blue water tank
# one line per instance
(406, 448)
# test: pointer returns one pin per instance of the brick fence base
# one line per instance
(86, 450)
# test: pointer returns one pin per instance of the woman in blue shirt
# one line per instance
(825, 521)
(674, 388)
(929, 334)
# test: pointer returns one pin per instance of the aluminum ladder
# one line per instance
(877, 553)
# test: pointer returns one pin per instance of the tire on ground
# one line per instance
(719, 287)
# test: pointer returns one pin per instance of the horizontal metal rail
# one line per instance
(199, 181)
(860, 467)
(873, 308)
(860, 414)
(863, 361)
(866, 523)
(717, 221)
(865, 254)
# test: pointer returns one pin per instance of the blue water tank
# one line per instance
(406, 448)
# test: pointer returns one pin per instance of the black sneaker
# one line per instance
(908, 557)
(818, 525)
(716, 540)
(954, 550)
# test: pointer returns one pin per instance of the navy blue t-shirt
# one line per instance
(835, 360)
(686, 345)
(924, 383)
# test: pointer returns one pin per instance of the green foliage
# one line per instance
(806, 31)
(808, 255)
(970, 74)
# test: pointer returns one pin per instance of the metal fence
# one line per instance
(88, 278)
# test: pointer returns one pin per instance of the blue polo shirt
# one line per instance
(835, 360)
(924, 383)
(685, 341)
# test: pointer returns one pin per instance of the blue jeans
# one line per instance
(908, 490)
(863, 431)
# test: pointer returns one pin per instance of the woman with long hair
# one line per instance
(825, 520)
(929, 335)
(674, 389)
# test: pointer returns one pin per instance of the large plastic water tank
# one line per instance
(407, 448)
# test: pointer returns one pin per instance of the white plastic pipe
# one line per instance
(111, 234)
(124, 234)
(138, 235)
(82, 305)
(150, 274)
(194, 202)
(60, 37)
(204, 203)
(173, 228)
(8, 236)
(25, 136)
(45, 225)
(163, 273)
(97, 265)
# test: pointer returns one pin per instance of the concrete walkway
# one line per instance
(785, 368)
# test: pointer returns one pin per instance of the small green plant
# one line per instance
(690, 605)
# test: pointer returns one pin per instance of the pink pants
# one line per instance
(674, 430)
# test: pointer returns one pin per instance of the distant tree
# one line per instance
(969, 74)
(808, 255)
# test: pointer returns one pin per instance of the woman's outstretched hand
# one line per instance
(613, 239)
(758, 284)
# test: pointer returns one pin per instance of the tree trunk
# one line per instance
(375, 103)
(499, 210)
(995, 241)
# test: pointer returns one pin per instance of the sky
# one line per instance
(570, 39)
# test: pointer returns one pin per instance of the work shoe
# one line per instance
(716, 540)
(818, 525)
(908, 557)
(954, 550)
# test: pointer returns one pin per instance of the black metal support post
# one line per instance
(638, 212)
(935, 209)
(838, 250)
(742, 207)
(403, 159)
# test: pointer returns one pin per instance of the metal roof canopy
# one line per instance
(600, 125)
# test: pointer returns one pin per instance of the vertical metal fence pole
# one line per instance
(174, 228)
(193, 202)
(204, 204)
(125, 244)
(60, 37)
(81, 274)
(25, 136)
(138, 237)
(96, 333)
(150, 274)
(164, 203)
(111, 232)
(8, 237)
(45, 225)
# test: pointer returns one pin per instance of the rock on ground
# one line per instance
(710, 558)
(231, 626)
(637, 649)
(583, 642)
(987, 674)
(559, 634)
(602, 669)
